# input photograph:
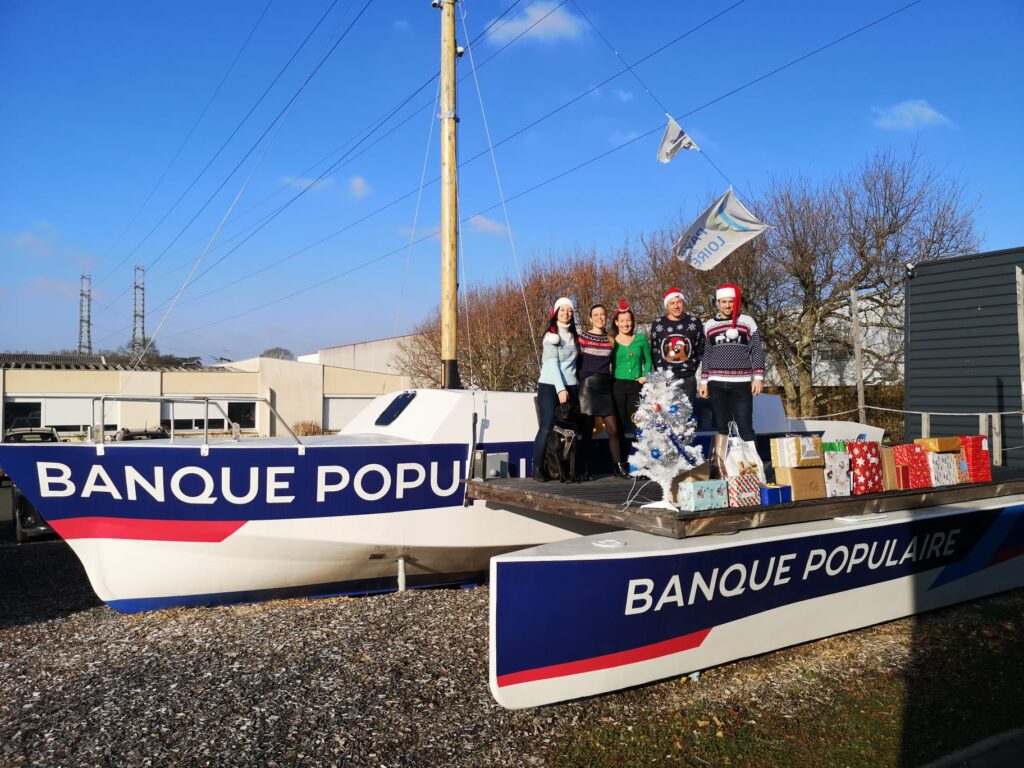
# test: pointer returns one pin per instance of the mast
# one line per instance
(449, 199)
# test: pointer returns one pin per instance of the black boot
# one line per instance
(539, 476)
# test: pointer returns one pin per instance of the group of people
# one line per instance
(603, 369)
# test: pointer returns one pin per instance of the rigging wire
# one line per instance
(647, 90)
(568, 171)
(184, 143)
(415, 218)
(436, 178)
(347, 157)
(501, 191)
(228, 140)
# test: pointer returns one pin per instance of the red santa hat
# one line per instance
(730, 291)
(672, 293)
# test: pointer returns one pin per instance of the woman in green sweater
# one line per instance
(632, 363)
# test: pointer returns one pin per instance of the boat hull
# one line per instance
(599, 614)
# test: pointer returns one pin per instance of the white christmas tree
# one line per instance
(664, 432)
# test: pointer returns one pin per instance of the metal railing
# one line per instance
(990, 424)
(102, 424)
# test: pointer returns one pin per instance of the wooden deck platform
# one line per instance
(604, 501)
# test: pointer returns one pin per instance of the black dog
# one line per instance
(560, 456)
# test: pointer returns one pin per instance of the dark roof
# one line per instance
(25, 361)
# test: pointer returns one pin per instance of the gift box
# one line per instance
(835, 446)
(963, 472)
(979, 459)
(797, 452)
(776, 494)
(805, 482)
(695, 495)
(866, 467)
(890, 473)
(902, 477)
(915, 458)
(837, 473)
(939, 444)
(744, 491)
(943, 468)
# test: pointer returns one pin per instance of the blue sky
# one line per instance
(97, 99)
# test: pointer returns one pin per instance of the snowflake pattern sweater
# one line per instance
(677, 345)
(595, 354)
(739, 359)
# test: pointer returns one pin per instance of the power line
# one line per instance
(562, 174)
(188, 136)
(465, 162)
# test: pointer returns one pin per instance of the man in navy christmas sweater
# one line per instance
(732, 372)
(677, 342)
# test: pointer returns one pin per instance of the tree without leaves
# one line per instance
(856, 231)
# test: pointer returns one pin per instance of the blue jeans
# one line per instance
(732, 401)
(547, 401)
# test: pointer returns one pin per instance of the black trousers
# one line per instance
(732, 401)
(626, 396)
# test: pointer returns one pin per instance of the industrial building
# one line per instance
(66, 392)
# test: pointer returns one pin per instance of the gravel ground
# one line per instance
(391, 680)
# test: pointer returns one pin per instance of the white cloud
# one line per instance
(552, 23)
(909, 115)
(34, 245)
(623, 96)
(302, 183)
(490, 226)
(358, 187)
(48, 286)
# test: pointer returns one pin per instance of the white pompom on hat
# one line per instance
(672, 293)
(562, 302)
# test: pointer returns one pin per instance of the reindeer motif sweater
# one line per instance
(739, 359)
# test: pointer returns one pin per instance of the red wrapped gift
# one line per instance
(866, 466)
(915, 459)
(979, 459)
(902, 476)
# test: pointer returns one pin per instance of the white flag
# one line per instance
(675, 138)
(720, 230)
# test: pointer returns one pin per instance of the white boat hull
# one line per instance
(598, 614)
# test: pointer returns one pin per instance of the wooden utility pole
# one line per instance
(858, 362)
(449, 201)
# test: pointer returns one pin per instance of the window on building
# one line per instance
(20, 415)
(243, 413)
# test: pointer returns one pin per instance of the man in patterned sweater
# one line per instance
(677, 342)
(733, 365)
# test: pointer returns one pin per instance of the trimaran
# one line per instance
(382, 505)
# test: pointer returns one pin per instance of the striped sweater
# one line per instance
(739, 359)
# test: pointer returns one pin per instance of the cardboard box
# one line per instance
(806, 482)
(963, 472)
(776, 494)
(744, 491)
(696, 495)
(890, 475)
(837, 473)
(797, 452)
(939, 444)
